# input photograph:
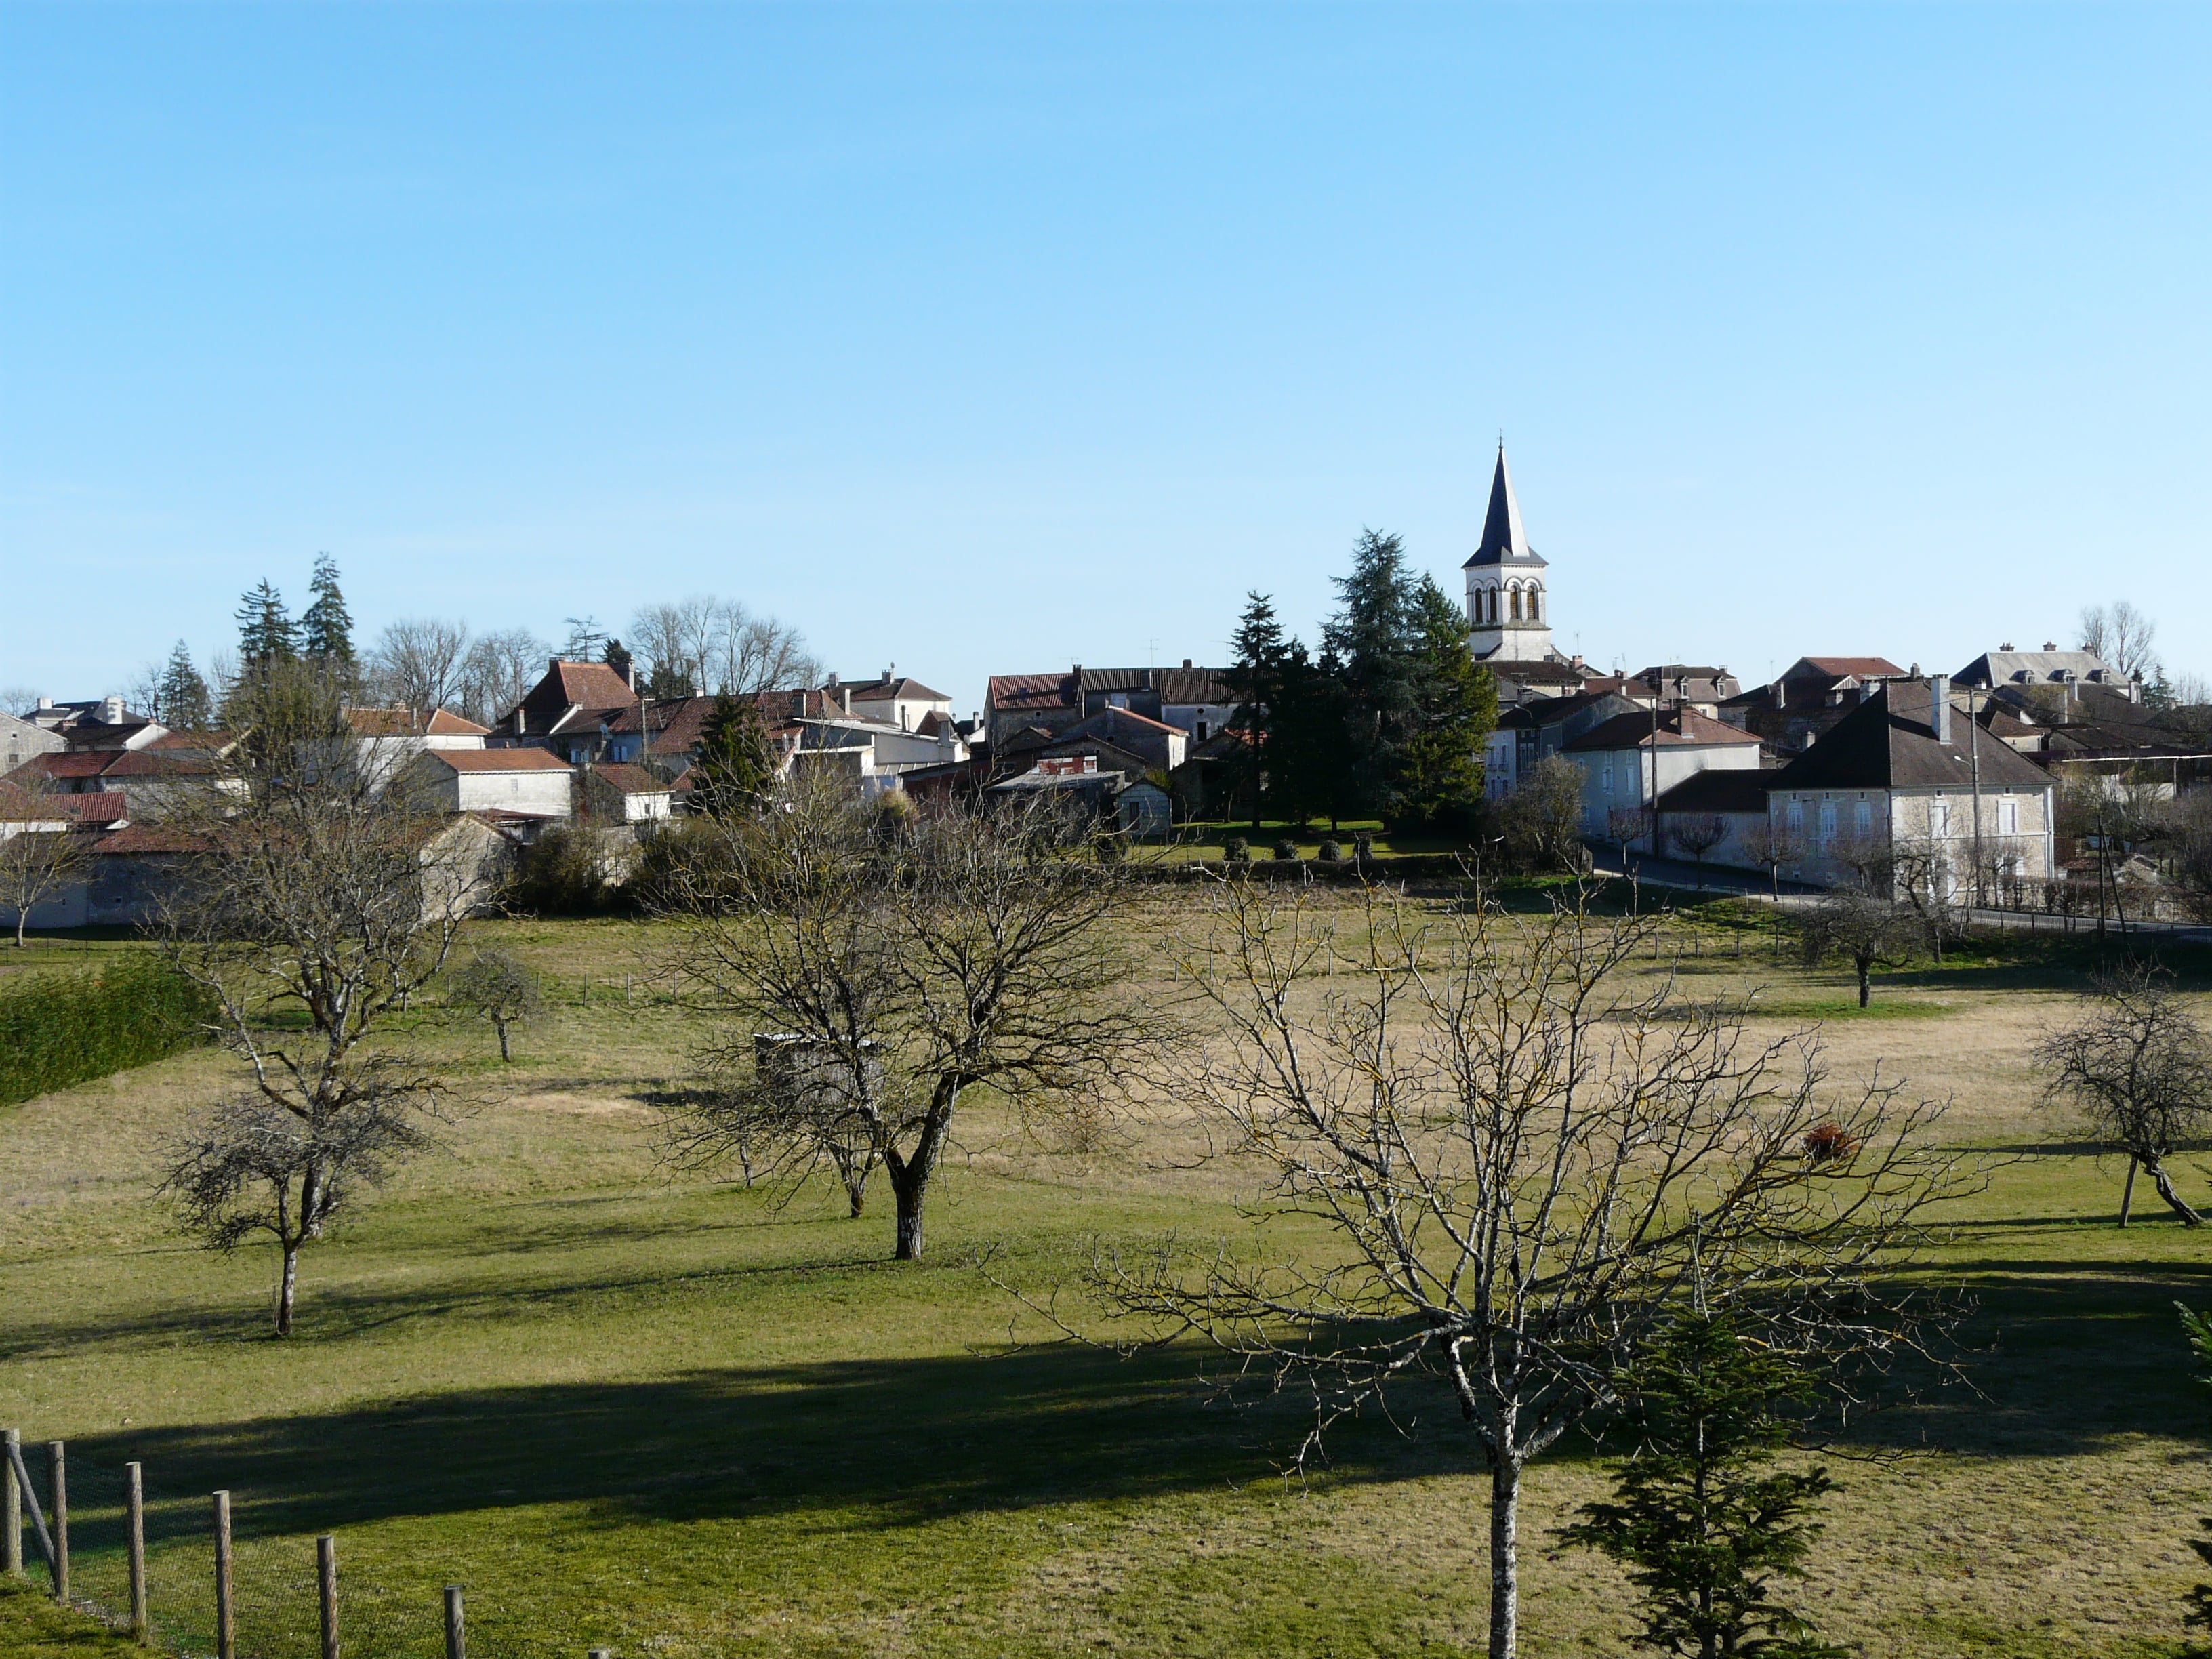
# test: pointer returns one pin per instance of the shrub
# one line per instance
(1286, 850)
(1331, 852)
(1238, 850)
(562, 873)
(1362, 847)
(1828, 1143)
(60, 1029)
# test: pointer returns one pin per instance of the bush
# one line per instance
(1331, 852)
(1363, 846)
(1238, 850)
(562, 873)
(60, 1029)
(1286, 850)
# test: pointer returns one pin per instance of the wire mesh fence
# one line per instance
(182, 1574)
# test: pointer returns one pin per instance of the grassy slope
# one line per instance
(665, 1416)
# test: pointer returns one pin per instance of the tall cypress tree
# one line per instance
(1257, 680)
(1370, 639)
(267, 635)
(1455, 710)
(327, 627)
(182, 694)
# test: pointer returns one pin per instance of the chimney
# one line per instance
(46, 702)
(1939, 690)
(1186, 662)
(111, 711)
(553, 665)
(2050, 644)
(1782, 694)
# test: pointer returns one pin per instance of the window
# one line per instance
(1535, 595)
(1202, 729)
(1796, 817)
(1827, 820)
(1939, 818)
(2007, 815)
(1607, 773)
(1515, 601)
(1862, 819)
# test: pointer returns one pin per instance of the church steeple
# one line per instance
(1508, 614)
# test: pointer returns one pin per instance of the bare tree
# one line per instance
(704, 646)
(1773, 849)
(320, 896)
(2138, 1070)
(1623, 827)
(915, 962)
(42, 850)
(417, 663)
(1923, 871)
(494, 986)
(2120, 636)
(1697, 834)
(1524, 1162)
(1543, 818)
(1857, 921)
(498, 671)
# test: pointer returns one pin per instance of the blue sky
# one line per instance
(989, 338)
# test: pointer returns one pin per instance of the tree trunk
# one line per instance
(1505, 1558)
(2174, 1200)
(857, 1192)
(288, 1283)
(2128, 1192)
(504, 1057)
(909, 1195)
(1866, 986)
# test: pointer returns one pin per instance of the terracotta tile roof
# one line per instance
(209, 743)
(409, 723)
(631, 779)
(1677, 728)
(1030, 691)
(497, 760)
(881, 691)
(151, 838)
(149, 764)
(22, 805)
(445, 723)
(75, 762)
(594, 685)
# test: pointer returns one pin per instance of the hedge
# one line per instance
(60, 1029)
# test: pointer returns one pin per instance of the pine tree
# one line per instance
(1702, 1524)
(1455, 710)
(734, 768)
(1371, 639)
(181, 695)
(266, 633)
(325, 627)
(617, 656)
(1308, 758)
(1257, 680)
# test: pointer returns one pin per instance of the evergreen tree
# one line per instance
(325, 627)
(183, 704)
(266, 633)
(734, 768)
(617, 656)
(1256, 678)
(1307, 745)
(1371, 640)
(1455, 710)
(1698, 1517)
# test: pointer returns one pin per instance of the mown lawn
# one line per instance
(666, 1415)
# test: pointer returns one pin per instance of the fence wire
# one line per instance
(276, 1599)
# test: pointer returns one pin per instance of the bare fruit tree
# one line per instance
(1863, 926)
(494, 986)
(315, 906)
(1697, 834)
(2138, 1069)
(1773, 849)
(42, 849)
(1542, 819)
(1524, 1159)
(913, 961)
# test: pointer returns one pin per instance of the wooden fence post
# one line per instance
(134, 1500)
(457, 1646)
(326, 1591)
(57, 1499)
(11, 1505)
(226, 1613)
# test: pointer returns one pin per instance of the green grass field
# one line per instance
(666, 1416)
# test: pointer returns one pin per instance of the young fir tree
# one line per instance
(267, 635)
(734, 768)
(184, 704)
(325, 626)
(1256, 677)
(1455, 710)
(617, 656)
(1371, 641)
(1698, 1516)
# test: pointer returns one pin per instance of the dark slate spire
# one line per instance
(1502, 539)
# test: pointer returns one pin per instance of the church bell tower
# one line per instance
(1509, 615)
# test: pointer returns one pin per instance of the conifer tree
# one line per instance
(1257, 679)
(266, 633)
(1371, 640)
(325, 631)
(183, 704)
(1309, 748)
(1698, 1517)
(1455, 710)
(617, 656)
(734, 769)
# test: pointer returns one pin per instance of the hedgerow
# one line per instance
(60, 1029)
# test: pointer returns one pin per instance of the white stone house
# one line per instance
(529, 782)
(1903, 772)
(384, 740)
(1633, 759)
(623, 794)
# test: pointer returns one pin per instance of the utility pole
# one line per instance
(1974, 749)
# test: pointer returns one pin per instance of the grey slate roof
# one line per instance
(1888, 743)
(1720, 789)
(1502, 539)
